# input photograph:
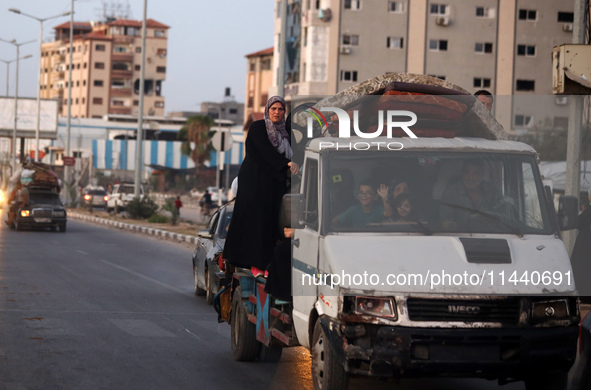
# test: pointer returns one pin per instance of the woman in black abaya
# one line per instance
(262, 182)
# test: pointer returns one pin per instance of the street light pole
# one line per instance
(40, 20)
(69, 120)
(139, 160)
(17, 45)
(8, 68)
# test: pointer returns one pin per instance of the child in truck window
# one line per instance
(369, 209)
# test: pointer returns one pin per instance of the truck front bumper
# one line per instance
(390, 351)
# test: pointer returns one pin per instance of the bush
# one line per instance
(158, 218)
(141, 209)
(171, 208)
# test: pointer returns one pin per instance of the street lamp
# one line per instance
(18, 46)
(8, 68)
(40, 20)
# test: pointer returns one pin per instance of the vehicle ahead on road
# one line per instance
(582, 370)
(121, 195)
(206, 271)
(44, 210)
(95, 198)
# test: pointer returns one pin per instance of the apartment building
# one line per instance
(503, 46)
(259, 78)
(105, 68)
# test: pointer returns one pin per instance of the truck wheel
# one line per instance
(245, 346)
(327, 372)
(198, 290)
(271, 354)
(63, 228)
(551, 381)
(208, 293)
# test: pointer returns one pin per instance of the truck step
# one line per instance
(283, 317)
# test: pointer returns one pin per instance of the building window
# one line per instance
(526, 50)
(138, 49)
(354, 5)
(159, 104)
(161, 53)
(264, 98)
(133, 31)
(437, 45)
(118, 83)
(161, 69)
(84, 66)
(76, 101)
(439, 77)
(78, 83)
(97, 100)
(120, 49)
(483, 48)
(525, 85)
(350, 40)
(438, 9)
(252, 66)
(485, 12)
(83, 100)
(480, 82)
(396, 6)
(138, 67)
(524, 120)
(233, 111)
(99, 65)
(117, 103)
(98, 83)
(251, 101)
(78, 66)
(266, 64)
(100, 47)
(566, 17)
(349, 75)
(528, 14)
(136, 102)
(395, 43)
(84, 83)
(159, 33)
(120, 66)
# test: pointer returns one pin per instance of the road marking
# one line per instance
(79, 251)
(141, 328)
(161, 284)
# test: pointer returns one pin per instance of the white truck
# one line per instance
(490, 295)
(121, 195)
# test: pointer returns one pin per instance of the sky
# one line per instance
(207, 42)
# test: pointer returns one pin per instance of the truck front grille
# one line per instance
(505, 311)
(42, 213)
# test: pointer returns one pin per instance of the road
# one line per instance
(98, 308)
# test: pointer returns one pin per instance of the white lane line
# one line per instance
(79, 251)
(161, 284)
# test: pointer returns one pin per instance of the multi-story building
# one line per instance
(105, 68)
(503, 46)
(259, 78)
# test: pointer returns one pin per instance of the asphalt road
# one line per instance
(98, 308)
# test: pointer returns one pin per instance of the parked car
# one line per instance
(121, 195)
(214, 191)
(95, 198)
(210, 242)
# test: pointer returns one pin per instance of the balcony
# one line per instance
(121, 74)
(123, 40)
(122, 57)
(120, 110)
(117, 92)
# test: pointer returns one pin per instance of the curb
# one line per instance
(136, 228)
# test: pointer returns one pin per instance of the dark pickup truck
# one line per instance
(43, 210)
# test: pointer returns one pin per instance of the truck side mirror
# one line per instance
(292, 211)
(568, 210)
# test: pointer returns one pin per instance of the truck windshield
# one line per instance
(436, 193)
(45, 198)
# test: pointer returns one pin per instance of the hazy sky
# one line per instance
(207, 42)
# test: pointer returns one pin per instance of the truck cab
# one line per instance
(457, 289)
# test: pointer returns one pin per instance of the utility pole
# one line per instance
(139, 160)
(282, 40)
(69, 121)
(573, 145)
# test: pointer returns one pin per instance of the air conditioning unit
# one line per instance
(442, 21)
(345, 50)
(568, 27)
(562, 100)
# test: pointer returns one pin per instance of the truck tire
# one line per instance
(271, 354)
(327, 371)
(245, 346)
(198, 290)
(550, 381)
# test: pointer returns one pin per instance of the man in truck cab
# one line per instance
(369, 209)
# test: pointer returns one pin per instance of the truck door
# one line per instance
(305, 253)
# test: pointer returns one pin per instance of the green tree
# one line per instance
(196, 135)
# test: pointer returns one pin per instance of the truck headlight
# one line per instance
(372, 306)
(59, 213)
(549, 310)
(25, 213)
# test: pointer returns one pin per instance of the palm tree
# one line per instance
(196, 134)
